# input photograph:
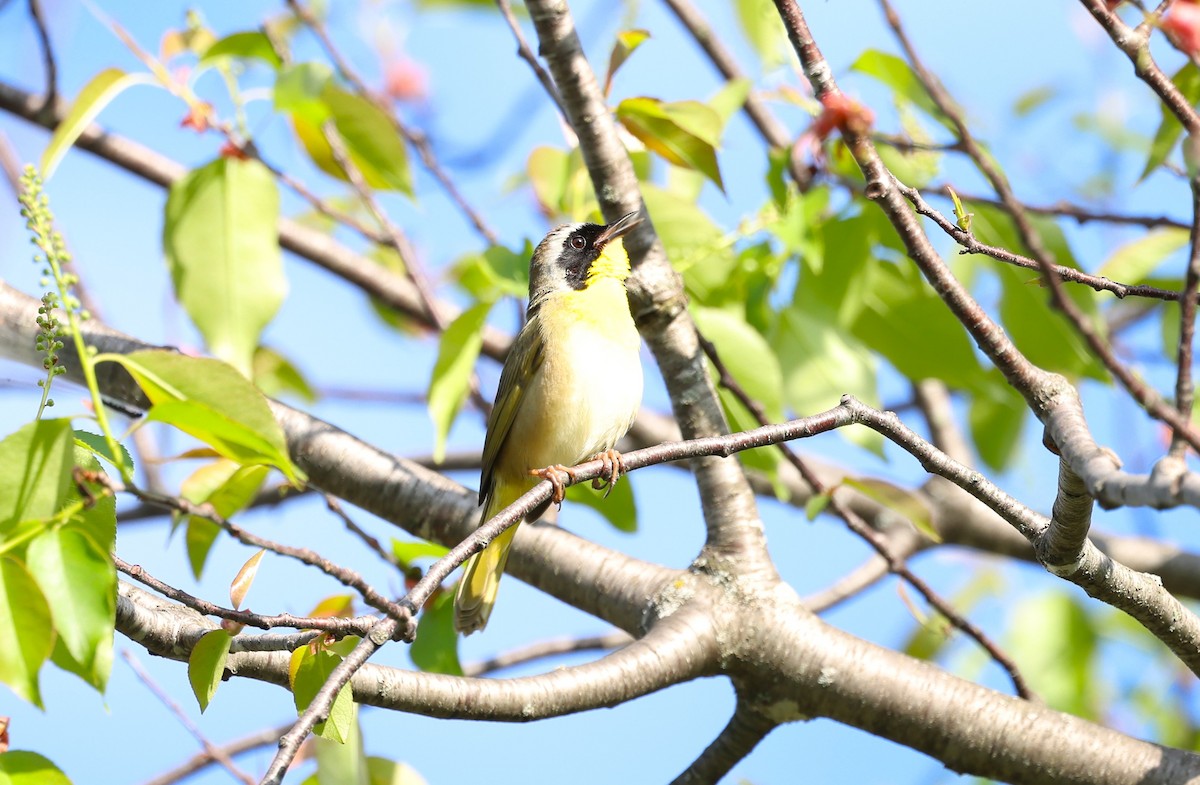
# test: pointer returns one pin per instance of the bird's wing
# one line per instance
(524, 359)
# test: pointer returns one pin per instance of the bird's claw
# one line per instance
(614, 467)
(554, 475)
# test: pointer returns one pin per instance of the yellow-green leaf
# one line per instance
(36, 472)
(308, 671)
(905, 503)
(246, 45)
(1135, 261)
(457, 351)
(435, 649)
(26, 630)
(95, 95)
(220, 240)
(206, 665)
(627, 41)
(211, 401)
(228, 487)
(21, 767)
(79, 582)
(685, 133)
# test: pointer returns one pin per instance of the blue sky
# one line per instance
(113, 224)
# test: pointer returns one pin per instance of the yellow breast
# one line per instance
(589, 387)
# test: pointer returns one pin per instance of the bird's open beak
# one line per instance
(618, 227)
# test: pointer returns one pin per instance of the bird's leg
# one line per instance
(614, 467)
(554, 475)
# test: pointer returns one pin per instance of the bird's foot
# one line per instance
(555, 475)
(614, 467)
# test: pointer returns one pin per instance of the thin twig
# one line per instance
(1082, 215)
(216, 752)
(526, 54)
(1184, 387)
(335, 507)
(338, 627)
(204, 759)
(971, 244)
(48, 62)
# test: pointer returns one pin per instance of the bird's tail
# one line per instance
(481, 573)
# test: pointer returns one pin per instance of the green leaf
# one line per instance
(371, 139)
(435, 649)
(79, 582)
(1030, 101)
(816, 505)
(1134, 262)
(95, 95)
(220, 240)
(387, 772)
(495, 273)
(561, 183)
(764, 30)
(820, 364)
(746, 355)
(695, 245)
(310, 670)
(26, 630)
(298, 91)
(730, 99)
(996, 417)
(1187, 79)
(908, 324)
(627, 41)
(275, 375)
(749, 359)
(685, 133)
(408, 551)
(206, 664)
(901, 501)
(209, 400)
(895, 73)
(457, 351)
(619, 509)
(229, 488)
(342, 763)
(95, 444)
(37, 462)
(20, 767)
(1056, 642)
(247, 45)
(310, 95)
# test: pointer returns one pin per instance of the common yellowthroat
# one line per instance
(570, 388)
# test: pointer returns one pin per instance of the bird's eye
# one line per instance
(578, 243)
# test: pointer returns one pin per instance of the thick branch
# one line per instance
(678, 649)
(825, 672)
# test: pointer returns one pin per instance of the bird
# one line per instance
(570, 389)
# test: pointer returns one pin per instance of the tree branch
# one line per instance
(677, 649)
